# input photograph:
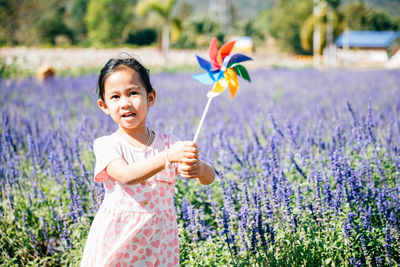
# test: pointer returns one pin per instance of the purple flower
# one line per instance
(65, 238)
(229, 237)
(299, 199)
(366, 217)
(388, 242)
(348, 224)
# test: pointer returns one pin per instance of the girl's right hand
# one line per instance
(183, 151)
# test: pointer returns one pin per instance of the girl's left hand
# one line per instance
(190, 170)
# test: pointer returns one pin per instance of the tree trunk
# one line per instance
(165, 42)
(329, 38)
(317, 34)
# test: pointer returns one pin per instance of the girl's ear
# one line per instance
(103, 106)
(151, 98)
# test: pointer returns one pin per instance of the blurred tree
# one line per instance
(23, 21)
(198, 32)
(183, 16)
(286, 20)
(164, 9)
(330, 22)
(359, 17)
(145, 36)
(8, 21)
(262, 22)
(106, 20)
(256, 27)
(51, 25)
(75, 19)
(251, 28)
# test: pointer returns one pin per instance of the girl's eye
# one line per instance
(114, 97)
(133, 93)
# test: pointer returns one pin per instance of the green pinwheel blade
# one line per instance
(241, 71)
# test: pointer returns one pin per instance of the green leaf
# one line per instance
(242, 72)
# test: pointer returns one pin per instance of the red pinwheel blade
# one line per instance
(213, 52)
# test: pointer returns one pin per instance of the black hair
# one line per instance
(115, 64)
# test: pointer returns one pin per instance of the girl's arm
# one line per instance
(139, 172)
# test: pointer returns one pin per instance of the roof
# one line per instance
(370, 39)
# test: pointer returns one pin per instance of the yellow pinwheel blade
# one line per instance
(220, 86)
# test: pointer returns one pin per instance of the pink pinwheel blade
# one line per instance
(213, 52)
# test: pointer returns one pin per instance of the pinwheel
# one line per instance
(222, 70)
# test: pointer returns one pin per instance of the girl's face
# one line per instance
(126, 99)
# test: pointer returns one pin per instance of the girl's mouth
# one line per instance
(128, 115)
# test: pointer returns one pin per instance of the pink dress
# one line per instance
(135, 224)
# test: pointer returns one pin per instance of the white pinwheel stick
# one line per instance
(210, 96)
(202, 118)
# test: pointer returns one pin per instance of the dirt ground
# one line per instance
(64, 58)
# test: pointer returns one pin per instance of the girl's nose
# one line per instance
(125, 102)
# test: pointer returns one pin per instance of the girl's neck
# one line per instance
(139, 137)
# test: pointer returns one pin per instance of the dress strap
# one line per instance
(165, 139)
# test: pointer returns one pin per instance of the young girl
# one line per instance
(136, 223)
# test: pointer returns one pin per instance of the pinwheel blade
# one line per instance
(203, 78)
(236, 58)
(220, 75)
(224, 51)
(213, 53)
(220, 86)
(204, 64)
(231, 77)
(241, 71)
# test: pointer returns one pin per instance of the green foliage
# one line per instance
(307, 29)
(106, 20)
(111, 23)
(13, 70)
(8, 22)
(142, 37)
(286, 28)
(162, 8)
(317, 240)
(75, 19)
(51, 26)
(360, 17)
(198, 33)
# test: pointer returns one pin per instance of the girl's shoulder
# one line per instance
(105, 139)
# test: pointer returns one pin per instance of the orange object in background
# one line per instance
(44, 72)
(244, 44)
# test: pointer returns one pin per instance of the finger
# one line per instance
(189, 176)
(191, 155)
(184, 168)
(189, 143)
(189, 161)
(191, 149)
(189, 170)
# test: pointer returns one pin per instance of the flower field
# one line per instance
(308, 166)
